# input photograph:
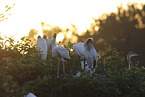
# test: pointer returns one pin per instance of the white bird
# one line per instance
(30, 95)
(42, 47)
(79, 49)
(48, 48)
(129, 55)
(60, 52)
(47, 42)
(91, 55)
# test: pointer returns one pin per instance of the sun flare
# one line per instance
(59, 37)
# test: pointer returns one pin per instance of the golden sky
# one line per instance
(28, 14)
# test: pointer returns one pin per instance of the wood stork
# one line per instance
(91, 55)
(60, 52)
(47, 42)
(129, 55)
(38, 37)
(30, 95)
(79, 49)
(42, 47)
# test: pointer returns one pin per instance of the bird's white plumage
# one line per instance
(30, 95)
(79, 49)
(48, 44)
(42, 47)
(59, 52)
(90, 54)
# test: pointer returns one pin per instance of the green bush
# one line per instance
(22, 71)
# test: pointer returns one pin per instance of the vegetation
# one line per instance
(6, 12)
(22, 71)
(123, 30)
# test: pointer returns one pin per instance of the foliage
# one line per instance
(22, 71)
(4, 15)
(123, 30)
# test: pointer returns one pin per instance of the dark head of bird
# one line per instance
(89, 41)
(38, 37)
(44, 36)
(54, 36)
(129, 55)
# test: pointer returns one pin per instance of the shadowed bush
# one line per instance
(26, 72)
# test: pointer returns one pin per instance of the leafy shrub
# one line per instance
(22, 71)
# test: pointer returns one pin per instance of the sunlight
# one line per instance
(28, 14)
(69, 34)
(59, 37)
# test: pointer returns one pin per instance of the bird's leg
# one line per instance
(84, 64)
(63, 66)
(89, 63)
(58, 69)
(130, 66)
(92, 66)
(94, 63)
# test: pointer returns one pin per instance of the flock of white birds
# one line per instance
(85, 50)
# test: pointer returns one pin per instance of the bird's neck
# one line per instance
(129, 62)
(53, 44)
(87, 46)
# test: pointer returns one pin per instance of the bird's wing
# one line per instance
(53, 40)
(48, 43)
(63, 52)
(38, 44)
(92, 53)
(42, 46)
(79, 49)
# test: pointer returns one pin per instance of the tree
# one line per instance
(49, 30)
(124, 30)
(32, 35)
(4, 15)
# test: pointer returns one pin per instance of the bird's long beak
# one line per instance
(138, 54)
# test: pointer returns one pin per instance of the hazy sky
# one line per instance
(28, 14)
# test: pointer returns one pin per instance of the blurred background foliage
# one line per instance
(123, 31)
(114, 34)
